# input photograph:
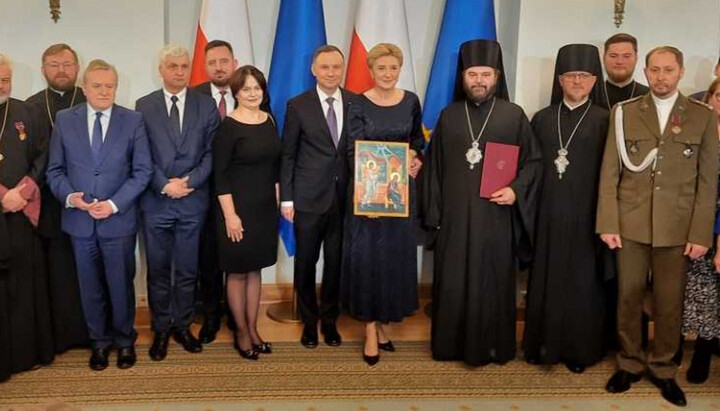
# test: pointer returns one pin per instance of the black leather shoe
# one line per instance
(621, 381)
(309, 336)
(126, 357)
(670, 390)
(263, 348)
(99, 359)
(188, 341)
(331, 335)
(209, 330)
(158, 350)
(386, 346)
(575, 367)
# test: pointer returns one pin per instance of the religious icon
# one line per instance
(381, 179)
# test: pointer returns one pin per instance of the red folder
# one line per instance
(499, 167)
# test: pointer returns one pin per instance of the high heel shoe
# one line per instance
(386, 346)
(371, 360)
(263, 348)
(250, 354)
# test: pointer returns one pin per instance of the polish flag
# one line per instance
(378, 21)
(221, 20)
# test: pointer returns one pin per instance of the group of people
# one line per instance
(605, 209)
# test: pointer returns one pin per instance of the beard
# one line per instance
(67, 86)
(619, 77)
(480, 97)
(4, 98)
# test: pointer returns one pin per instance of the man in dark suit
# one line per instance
(220, 64)
(99, 165)
(180, 125)
(313, 184)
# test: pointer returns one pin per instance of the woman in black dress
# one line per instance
(246, 153)
(379, 269)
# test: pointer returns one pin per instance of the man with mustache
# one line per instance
(60, 68)
(480, 241)
(620, 59)
(24, 302)
(656, 207)
(220, 64)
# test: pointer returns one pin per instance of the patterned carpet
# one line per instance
(293, 372)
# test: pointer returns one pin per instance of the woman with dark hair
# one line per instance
(246, 154)
(701, 315)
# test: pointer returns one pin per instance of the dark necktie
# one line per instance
(222, 107)
(332, 120)
(175, 118)
(96, 141)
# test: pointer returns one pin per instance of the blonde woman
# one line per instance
(379, 270)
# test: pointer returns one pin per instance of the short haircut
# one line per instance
(98, 65)
(172, 50)
(621, 38)
(239, 77)
(57, 49)
(712, 89)
(665, 49)
(384, 50)
(218, 43)
(5, 60)
(328, 48)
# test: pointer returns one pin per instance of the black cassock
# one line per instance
(24, 287)
(69, 327)
(5, 355)
(479, 244)
(613, 94)
(566, 304)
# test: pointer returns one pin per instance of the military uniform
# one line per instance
(657, 211)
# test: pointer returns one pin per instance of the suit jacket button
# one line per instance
(97, 172)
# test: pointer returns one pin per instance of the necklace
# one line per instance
(473, 154)
(607, 96)
(2, 130)
(561, 162)
(47, 105)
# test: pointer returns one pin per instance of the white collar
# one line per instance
(215, 90)
(180, 94)
(573, 107)
(337, 95)
(92, 110)
(665, 102)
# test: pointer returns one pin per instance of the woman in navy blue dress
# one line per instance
(379, 266)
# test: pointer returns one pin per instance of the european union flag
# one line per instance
(462, 20)
(300, 31)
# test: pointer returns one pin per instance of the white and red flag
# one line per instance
(221, 20)
(378, 21)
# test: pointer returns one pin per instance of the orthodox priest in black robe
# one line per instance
(566, 303)
(480, 242)
(60, 68)
(24, 286)
(5, 363)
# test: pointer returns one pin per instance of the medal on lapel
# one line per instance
(20, 127)
(675, 121)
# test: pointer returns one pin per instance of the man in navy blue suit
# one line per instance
(99, 165)
(180, 123)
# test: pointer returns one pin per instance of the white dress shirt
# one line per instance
(664, 108)
(229, 99)
(180, 103)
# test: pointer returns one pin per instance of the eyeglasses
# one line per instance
(577, 76)
(55, 66)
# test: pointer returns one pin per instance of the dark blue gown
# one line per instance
(379, 263)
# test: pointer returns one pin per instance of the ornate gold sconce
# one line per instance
(55, 10)
(619, 12)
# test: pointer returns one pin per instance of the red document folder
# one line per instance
(499, 167)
